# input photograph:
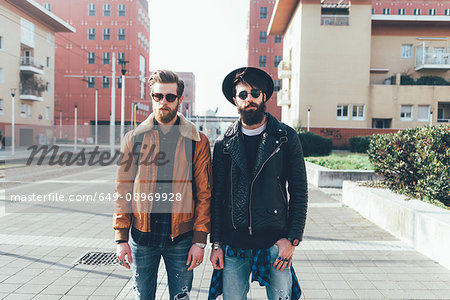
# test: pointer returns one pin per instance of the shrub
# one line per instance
(359, 144)
(415, 161)
(432, 80)
(314, 144)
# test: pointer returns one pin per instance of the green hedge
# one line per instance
(359, 144)
(423, 80)
(314, 144)
(415, 161)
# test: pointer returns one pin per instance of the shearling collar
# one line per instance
(187, 128)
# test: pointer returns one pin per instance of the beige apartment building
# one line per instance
(345, 69)
(27, 68)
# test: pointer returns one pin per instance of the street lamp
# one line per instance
(75, 130)
(96, 116)
(309, 117)
(13, 131)
(122, 101)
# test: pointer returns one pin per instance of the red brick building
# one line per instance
(83, 62)
(411, 7)
(264, 51)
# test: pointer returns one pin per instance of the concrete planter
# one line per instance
(323, 177)
(421, 225)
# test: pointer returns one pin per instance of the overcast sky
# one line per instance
(206, 37)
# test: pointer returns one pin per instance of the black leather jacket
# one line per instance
(261, 201)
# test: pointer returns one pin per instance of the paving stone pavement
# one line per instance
(343, 256)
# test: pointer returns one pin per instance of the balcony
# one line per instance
(31, 94)
(31, 65)
(432, 58)
(284, 69)
(284, 97)
(32, 88)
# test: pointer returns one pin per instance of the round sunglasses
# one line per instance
(243, 95)
(169, 97)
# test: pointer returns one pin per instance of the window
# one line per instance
(47, 113)
(262, 36)
(122, 10)
(263, 12)
(29, 110)
(358, 112)
(121, 35)
(386, 11)
(27, 33)
(91, 82)
(106, 34)
(91, 33)
(406, 51)
(48, 6)
(262, 61)
(120, 57)
(447, 12)
(91, 58)
(401, 11)
(106, 10)
(48, 62)
(276, 60)
(2, 106)
(342, 112)
(106, 58)
(423, 113)
(406, 112)
(432, 12)
(23, 110)
(2, 75)
(105, 82)
(91, 7)
(373, 11)
(1, 43)
(278, 39)
(276, 85)
(417, 11)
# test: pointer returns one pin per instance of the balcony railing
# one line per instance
(31, 64)
(284, 97)
(28, 93)
(432, 58)
(336, 20)
(284, 69)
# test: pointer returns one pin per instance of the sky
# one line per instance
(206, 37)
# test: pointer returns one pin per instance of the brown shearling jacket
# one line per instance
(133, 203)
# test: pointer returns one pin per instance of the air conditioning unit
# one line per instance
(284, 97)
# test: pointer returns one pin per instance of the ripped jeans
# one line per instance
(145, 269)
(236, 273)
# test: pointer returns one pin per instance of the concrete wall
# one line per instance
(421, 225)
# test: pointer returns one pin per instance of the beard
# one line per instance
(252, 117)
(164, 117)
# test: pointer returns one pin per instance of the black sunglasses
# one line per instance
(169, 97)
(254, 92)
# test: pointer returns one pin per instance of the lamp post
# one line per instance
(309, 117)
(112, 119)
(75, 138)
(96, 116)
(13, 131)
(60, 124)
(122, 100)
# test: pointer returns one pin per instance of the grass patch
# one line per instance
(342, 161)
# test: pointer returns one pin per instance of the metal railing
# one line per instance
(337, 20)
(30, 92)
(431, 56)
(31, 61)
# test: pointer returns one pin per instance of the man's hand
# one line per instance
(285, 253)
(195, 257)
(217, 259)
(123, 249)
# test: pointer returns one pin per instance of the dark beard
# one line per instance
(169, 117)
(252, 117)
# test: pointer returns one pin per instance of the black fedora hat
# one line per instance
(228, 82)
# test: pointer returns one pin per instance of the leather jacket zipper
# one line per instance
(250, 230)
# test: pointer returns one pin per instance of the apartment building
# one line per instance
(27, 69)
(348, 70)
(264, 51)
(107, 32)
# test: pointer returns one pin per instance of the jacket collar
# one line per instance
(187, 128)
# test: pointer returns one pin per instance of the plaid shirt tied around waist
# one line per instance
(260, 272)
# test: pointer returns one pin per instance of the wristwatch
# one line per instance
(216, 246)
(294, 242)
(201, 245)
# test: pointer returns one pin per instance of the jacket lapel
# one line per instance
(237, 152)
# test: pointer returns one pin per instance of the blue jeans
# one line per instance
(236, 274)
(146, 263)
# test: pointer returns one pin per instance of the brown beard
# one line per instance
(168, 117)
(252, 117)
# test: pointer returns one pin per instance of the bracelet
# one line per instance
(216, 246)
(121, 241)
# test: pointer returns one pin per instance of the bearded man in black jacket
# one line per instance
(256, 221)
